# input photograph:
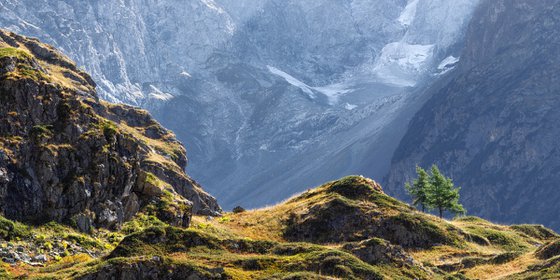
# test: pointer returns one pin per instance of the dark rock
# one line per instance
(238, 209)
(549, 250)
(378, 251)
(84, 222)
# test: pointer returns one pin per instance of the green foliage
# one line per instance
(419, 188)
(10, 230)
(109, 130)
(442, 194)
(536, 231)
(140, 222)
(13, 52)
(83, 240)
(435, 191)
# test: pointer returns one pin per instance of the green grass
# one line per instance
(535, 231)
(14, 52)
(10, 230)
(250, 245)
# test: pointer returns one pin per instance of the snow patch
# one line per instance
(186, 74)
(409, 13)
(401, 63)
(448, 62)
(212, 5)
(332, 92)
(27, 25)
(349, 106)
(291, 80)
(158, 94)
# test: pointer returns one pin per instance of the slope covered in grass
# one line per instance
(345, 229)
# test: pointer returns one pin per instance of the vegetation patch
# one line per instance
(10, 230)
(354, 187)
(412, 230)
(536, 231)
(14, 52)
(163, 240)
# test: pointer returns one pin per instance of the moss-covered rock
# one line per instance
(163, 240)
(355, 187)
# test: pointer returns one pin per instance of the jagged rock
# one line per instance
(84, 222)
(68, 157)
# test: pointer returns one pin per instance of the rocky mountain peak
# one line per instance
(69, 157)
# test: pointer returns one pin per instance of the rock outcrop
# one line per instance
(69, 157)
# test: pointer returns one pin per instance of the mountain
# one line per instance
(492, 126)
(68, 157)
(251, 86)
(95, 190)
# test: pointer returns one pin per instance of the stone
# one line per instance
(40, 258)
(83, 223)
(238, 209)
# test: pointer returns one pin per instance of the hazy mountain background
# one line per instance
(494, 125)
(268, 96)
(273, 96)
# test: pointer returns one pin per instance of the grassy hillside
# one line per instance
(345, 229)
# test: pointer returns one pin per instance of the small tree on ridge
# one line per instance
(418, 190)
(435, 191)
(442, 194)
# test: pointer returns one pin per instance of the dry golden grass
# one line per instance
(267, 223)
(502, 271)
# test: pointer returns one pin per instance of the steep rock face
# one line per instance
(127, 46)
(68, 157)
(493, 127)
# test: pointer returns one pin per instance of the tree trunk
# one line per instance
(440, 213)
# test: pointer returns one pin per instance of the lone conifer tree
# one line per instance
(434, 191)
(419, 188)
(442, 194)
